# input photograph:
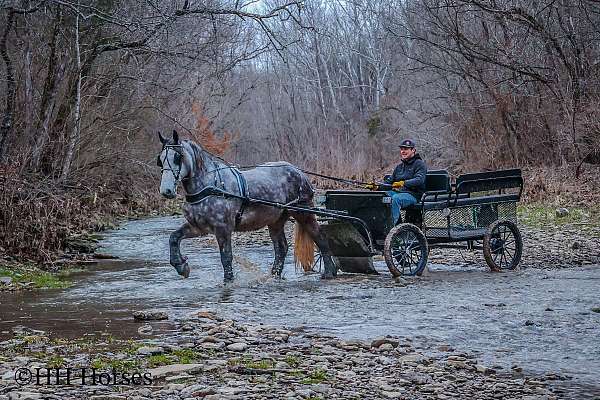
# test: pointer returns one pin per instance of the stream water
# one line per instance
(540, 320)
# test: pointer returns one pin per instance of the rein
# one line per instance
(215, 190)
(333, 178)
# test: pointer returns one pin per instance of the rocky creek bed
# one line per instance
(213, 358)
(458, 332)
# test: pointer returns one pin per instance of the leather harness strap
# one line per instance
(214, 191)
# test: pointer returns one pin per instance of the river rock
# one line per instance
(197, 390)
(239, 346)
(346, 375)
(150, 351)
(412, 358)
(305, 393)
(485, 370)
(23, 330)
(382, 340)
(145, 329)
(174, 369)
(150, 316)
(5, 280)
(445, 348)
(24, 396)
(392, 395)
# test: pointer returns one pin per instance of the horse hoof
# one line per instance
(327, 276)
(183, 269)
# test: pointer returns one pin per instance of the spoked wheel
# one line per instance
(502, 246)
(406, 250)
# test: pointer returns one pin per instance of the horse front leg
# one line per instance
(280, 245)
(224, 240)
(177, 261)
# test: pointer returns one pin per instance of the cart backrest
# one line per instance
(437, 181)
(487, 181)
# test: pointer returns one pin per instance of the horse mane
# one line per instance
(201, 155)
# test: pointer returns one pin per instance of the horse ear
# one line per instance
(162, 139)
(175, 137)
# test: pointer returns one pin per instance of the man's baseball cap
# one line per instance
(408, 143)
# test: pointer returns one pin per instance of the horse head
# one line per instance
(175, 163)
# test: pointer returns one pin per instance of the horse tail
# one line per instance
(304, 247)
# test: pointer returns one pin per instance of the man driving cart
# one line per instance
(406, 184)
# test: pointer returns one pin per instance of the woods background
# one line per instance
(331, 86)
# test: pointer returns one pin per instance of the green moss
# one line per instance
(187, 356)
(232, 362)
(316, 376)
(99, 363)
(160, 359)
(261, 364)
(292, 361)
(55, 362)
(131, 347)
(28, 274)
(544, 216)
(34, 339)
(124, 365)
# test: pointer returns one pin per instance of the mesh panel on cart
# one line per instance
(467, 220)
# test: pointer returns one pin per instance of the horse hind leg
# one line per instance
(280, 244)
(308, 223)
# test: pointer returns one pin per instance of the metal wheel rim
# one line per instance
(505, 249)
(406, 252)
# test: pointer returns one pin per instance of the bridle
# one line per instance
(177, 159)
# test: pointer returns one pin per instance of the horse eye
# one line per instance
(158, 162)
(177, 158)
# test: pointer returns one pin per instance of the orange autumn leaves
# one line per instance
(203, 133)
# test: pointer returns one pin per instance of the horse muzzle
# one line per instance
(168, 193)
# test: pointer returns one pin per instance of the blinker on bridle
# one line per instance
(178, 149)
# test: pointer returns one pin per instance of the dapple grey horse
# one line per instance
(206, 212)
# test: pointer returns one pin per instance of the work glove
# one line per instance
(397, 185)
(372, 186)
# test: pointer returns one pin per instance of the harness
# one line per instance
(198, 197)
(212, 190)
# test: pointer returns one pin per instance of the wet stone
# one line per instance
(24, 396)
(150, 315)
(145, 329)
(5, 280)
(384, 340)
(240, 346)
(174, 369)
(148, 351)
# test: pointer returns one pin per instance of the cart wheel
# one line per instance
(406, 250)
(502, 246)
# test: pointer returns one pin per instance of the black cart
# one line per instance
(477, 211)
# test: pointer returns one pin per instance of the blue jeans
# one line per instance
(400, 200)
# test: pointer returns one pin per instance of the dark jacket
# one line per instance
(413, 173)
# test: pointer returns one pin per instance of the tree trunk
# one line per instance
(74, 136)
(48, 101)
(11, 91)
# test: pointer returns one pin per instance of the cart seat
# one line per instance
(439, 195)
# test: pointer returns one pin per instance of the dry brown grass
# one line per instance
(38, 215)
